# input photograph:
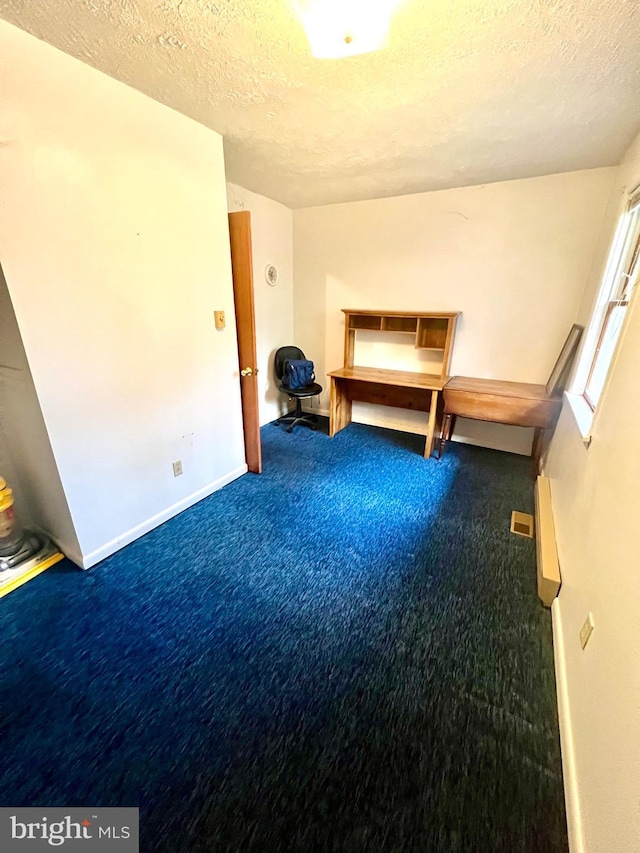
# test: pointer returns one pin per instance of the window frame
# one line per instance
(616, 290)
(611, 306)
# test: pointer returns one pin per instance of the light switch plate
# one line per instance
(220, 319)
(586, 630)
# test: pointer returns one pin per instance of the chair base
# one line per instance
(297, 418)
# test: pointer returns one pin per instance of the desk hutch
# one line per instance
(405, 389)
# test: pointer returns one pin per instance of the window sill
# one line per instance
(582, 414)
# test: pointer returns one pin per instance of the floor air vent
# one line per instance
(522, 524)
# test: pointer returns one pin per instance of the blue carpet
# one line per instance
(344, 654)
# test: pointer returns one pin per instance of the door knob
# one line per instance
(248, 371)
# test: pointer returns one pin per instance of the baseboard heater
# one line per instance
(547, 552)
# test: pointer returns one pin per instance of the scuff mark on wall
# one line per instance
(171, 40)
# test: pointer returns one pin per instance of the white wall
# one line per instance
(596, 501)
(114, 244)
(26, 458)
(513, 257)
(272, 243)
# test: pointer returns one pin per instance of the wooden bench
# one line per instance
(513, 403)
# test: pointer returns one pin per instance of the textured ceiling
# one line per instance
(469, 91)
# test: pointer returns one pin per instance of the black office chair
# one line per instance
(299, 394)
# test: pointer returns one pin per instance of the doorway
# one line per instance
(242, 270)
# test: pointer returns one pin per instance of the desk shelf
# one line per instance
(371, 322)
(408, 325)
(417, 390)
(431, 331)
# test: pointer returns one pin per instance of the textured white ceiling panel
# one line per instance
(469, 91)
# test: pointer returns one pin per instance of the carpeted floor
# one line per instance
(344, 654)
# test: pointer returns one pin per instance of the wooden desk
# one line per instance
(513, 403)
(404, 389)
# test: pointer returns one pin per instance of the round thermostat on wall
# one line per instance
(271, 274)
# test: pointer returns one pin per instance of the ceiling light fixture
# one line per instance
(339, 28)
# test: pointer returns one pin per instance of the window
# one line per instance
(620, 276)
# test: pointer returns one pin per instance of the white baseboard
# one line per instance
(402, 426)
(488, 444)
(89, 560)
(316, 410)
(383, 423)
(571, 796)
(389, 422)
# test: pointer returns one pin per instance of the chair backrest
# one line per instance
(282, 355)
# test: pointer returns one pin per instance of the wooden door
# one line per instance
(242, 268)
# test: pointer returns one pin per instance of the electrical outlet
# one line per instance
(585, 631)
(177, 468)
